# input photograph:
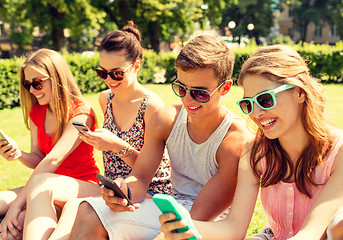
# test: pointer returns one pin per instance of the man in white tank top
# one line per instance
(204, 141)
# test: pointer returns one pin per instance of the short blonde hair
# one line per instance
(207, 52)
(64, 90)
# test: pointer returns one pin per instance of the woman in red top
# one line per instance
(64, 166)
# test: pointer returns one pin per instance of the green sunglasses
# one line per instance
(265, 100)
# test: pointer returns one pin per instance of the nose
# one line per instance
(187, 98)
(257, 110)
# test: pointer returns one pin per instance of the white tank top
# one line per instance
(192, 164)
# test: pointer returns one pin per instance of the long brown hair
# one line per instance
(284, 65)
(64, 90)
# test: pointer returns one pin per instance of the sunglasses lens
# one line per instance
(265, 100)
(179, 90)
(26, 85)
(117, 75)
(200, 95)
(101, 73)
(37, 84)
(245, 106)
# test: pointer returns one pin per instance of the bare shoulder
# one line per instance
(338, 162)
(103, 98)
(154, 103)
(236, 139)
(163, 118)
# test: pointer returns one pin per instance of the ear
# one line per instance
(300, 94)
(137, 65)
(226, 87)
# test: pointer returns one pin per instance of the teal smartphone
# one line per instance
(166, 204)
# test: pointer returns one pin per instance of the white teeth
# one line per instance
(268, 122)
(114, 85)
(193, 108)
(40, 96)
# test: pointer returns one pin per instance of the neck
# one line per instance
(295, 143)
(133, 92)
(200, 129)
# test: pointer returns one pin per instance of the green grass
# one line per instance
(14, 174)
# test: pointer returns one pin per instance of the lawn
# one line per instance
(14, 174)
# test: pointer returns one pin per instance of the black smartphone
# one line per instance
(2, 137)
(81, 127)
(110, 184)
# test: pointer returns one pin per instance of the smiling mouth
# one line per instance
(39, 96)
(266, 123)
(114, 85)
(193, 108)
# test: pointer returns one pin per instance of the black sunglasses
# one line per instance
(199, 95)
(37, 83)
(116, 74)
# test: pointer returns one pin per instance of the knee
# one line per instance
(85, 213)
(39, 183)
(82, 227)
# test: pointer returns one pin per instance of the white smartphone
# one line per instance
(2, 137)
(81, 127)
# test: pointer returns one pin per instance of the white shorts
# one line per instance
(141, 224)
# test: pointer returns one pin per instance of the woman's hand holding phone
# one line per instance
(103, 140)
(8, 148)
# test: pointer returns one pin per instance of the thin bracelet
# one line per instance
(128, 154)
(123, 151)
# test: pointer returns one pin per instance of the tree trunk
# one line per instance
(154, 35)
(58, 39)
(57, 31)
(303, 38)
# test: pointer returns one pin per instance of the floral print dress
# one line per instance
(115, 167)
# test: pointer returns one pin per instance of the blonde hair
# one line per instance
(64, 90)
(285, 65)
(207, 52)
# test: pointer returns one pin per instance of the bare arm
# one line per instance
(237, 222)
(325, 206)
(64, 146)
(157, 131)
(12, 152)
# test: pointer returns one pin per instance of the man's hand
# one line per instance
(117, 204)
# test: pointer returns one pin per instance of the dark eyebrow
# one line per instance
(199, 87)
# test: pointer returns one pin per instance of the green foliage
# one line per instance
(52, 17)
(283, 39)
(9, 87)
(324, 61)
(242, 15)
